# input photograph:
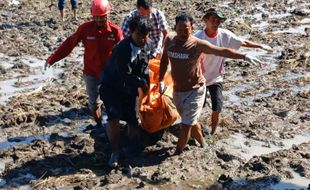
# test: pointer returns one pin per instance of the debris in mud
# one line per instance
(49, 141)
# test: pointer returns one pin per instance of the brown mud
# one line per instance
(49, 141)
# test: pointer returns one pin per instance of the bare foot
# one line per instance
(213, 130)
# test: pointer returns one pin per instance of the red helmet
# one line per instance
(100, 7)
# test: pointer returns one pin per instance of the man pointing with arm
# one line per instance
(98, 37)
(212, 65)
(183, 51)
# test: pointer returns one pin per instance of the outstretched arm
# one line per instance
(65, 48)
(250, 44)
(208, 48)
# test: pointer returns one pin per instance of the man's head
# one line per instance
(99, 11)
(139, 27)
(183, 26)
(213, 19)
(144, 7)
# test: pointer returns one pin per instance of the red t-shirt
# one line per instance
(98, 45)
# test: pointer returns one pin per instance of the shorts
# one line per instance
(61, 4)
(92, 89)
(189, 104)
(119, 105)
(216, 93)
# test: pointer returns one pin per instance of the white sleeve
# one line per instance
(233, 41)
(198, 34)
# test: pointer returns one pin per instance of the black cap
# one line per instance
(217, 13)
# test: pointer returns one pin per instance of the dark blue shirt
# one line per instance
(126, 70)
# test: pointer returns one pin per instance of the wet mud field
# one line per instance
(49, 141)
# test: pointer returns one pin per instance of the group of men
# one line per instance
(116, 66)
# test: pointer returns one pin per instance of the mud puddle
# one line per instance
(49, 141)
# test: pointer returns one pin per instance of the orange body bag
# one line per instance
(156, 110)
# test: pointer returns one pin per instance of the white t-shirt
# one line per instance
(213, 66)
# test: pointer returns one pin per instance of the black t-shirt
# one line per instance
(125, 73)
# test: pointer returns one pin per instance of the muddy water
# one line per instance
(19, 83)
(48, 140)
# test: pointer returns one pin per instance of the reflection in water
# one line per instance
(21, 84)
(248, 148)
(12, 142)
(296, 182)
(296, 30)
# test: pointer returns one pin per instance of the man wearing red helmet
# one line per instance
(98, 37)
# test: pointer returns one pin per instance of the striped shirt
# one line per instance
(158, 22)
